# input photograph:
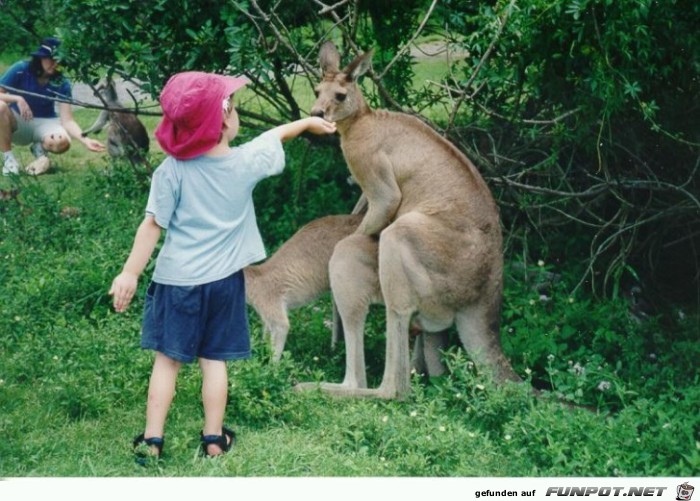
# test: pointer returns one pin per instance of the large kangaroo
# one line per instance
(126, 135)
(439, 238)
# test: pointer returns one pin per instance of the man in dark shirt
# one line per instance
(28, 118)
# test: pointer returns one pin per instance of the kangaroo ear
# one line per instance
(329, 57)
(359, 66)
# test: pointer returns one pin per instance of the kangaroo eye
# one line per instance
(340, 97)
(316, 92)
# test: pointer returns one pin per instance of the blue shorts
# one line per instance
(202, 321)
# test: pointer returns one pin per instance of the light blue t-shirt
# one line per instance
(206, 206)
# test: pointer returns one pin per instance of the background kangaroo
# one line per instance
(126, 135)
(438, 229)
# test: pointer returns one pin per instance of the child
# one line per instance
(202, 195)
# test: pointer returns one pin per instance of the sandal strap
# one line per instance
(156, 442)
(225, 441)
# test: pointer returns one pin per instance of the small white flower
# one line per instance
(382, 459)
(328, 324)
(55, 357)
(550, 357)
(604, 386)
(571, 300)
(532, 302)
(540, 263)
(480, 387)
(442, 428)
(528, 371)
(458, 395)
(2, 381)
(471, 434)
(507, 437)
(18, 318)
(315, 359)
(413, 414)
(385, 419)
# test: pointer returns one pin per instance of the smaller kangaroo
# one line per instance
(295, 275)
(126, 135)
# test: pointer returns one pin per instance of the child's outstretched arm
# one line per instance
(315, 125)
(124, 285)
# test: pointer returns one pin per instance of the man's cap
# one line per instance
(193, 112)
(47, 48)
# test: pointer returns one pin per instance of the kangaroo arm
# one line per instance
(383, 197)
(99, 124)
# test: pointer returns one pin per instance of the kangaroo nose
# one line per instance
(317, 113)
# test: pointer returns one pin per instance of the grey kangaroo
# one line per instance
(126, 135)
(437, 233)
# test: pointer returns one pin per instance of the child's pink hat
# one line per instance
(193, 112)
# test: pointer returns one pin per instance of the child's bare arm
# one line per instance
(124, 285)
(315, 125)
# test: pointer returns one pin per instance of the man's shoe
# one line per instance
(39, 166)
(11, 166)
(37, 150)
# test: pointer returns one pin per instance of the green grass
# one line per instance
(73, 380)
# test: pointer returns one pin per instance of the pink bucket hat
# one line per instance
(192, 104)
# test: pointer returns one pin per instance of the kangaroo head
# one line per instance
(107, 90)
(337, 95)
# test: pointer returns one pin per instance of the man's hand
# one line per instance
(93, 144)
(24, 110)
(123, 289)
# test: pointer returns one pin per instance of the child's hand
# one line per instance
(123, 290)
(318, 125)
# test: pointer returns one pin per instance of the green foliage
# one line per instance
(572, 99)
(602, 363)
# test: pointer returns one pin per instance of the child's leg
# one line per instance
(161, 390)
(214, 396)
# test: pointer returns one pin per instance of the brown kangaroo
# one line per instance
(295, 275)
(126, 135)
(437, 230)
